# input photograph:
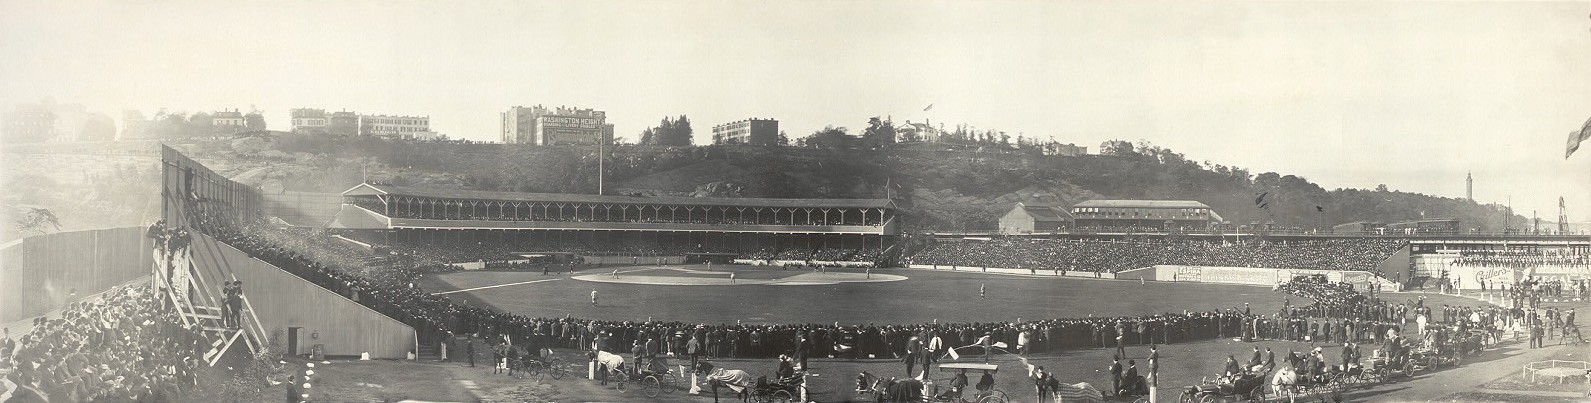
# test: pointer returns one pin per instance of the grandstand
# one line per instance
(356, 281)
(1114, 256)
(278, 301)
(466, 225)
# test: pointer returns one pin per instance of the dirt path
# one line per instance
(1435, 386)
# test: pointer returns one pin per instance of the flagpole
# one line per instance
(601, 162)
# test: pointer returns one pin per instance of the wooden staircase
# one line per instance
(202, 307)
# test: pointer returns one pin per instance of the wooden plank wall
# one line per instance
(40, 273)
(281, 300)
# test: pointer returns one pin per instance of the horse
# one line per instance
(902, 390)
(1284, 378)
(736, 380)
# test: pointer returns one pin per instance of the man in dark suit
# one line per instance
(1154, 364)
(1129, 379)
(786, 369)
(913, 348)
(237, 304)
(1255, 360)
(803, 349)
(1350, 354)
(1115, 373)
(1042, 384)
(1121, 335)
(293, 391)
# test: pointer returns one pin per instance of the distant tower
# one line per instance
(1469, 187)
(1563, 217)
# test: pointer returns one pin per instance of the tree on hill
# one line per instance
(833, 138)
(255, 120)
(670, 132)
(38, 220)
(879, 132)
(826, 164)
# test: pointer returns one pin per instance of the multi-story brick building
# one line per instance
(752, 131)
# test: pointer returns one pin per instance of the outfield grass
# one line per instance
(926, 296)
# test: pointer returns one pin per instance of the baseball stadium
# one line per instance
(404, 293)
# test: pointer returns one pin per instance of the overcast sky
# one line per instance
(1411, 95)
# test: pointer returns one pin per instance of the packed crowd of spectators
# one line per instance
(1331, 299)
(493, 212)
(392, 291)
(865, 254)
(344, 269)
(495, 254)
(1530, 291)
(122, 346)
(846, 341)
(1519, 259)
(426, 252)
(1114, 256)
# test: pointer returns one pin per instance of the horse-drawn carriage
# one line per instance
(655, 378)
(783, 390)
(791, 388)
(1248, 387)
(1322, 386)
(537, 365)
(957, 389)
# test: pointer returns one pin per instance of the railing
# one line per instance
(631, 226)
(1107, 231)
(1532, 370)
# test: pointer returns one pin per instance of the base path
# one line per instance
(687, 276)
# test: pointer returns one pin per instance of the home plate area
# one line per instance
(739, 275)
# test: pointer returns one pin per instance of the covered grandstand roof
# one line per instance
(1046, 213)
(1142, 204)
(368, 189)
(355, 217)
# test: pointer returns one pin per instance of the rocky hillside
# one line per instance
(941, 189)
(944, 189)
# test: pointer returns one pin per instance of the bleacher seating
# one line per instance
(1114, 256)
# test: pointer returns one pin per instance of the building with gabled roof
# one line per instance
(1027, 218)
(1144, 214)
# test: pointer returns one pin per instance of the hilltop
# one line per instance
(941, 188)
(950, 188)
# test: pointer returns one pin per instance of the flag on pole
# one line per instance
(930, 106)
(1576, 137)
